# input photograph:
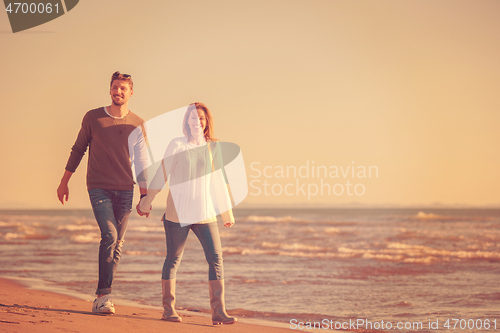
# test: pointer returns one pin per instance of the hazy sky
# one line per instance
(410, 87)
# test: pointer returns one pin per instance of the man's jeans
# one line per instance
(111, 210)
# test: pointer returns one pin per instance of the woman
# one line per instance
(193, 166)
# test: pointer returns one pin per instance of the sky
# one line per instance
(406, 89)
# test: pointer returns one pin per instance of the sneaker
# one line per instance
(103, 305)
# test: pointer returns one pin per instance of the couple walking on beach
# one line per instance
(116, 138)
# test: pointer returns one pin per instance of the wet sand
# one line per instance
(29, 310)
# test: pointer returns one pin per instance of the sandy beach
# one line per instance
(29, 310)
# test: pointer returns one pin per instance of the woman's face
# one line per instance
(197, 122)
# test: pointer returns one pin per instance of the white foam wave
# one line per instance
(424, 260)
(436, 217)
(419, 253)
(9, 224)
(11, 235)
(331, 230)
(428, 216)
(396, 252)
(294, 246)
(144, 253)
(425, 250)
(86, 238)
(147, 229)
(309, 254)
(73, 227)
(246, 251)
(255, 218)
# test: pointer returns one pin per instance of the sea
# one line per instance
(322, 269)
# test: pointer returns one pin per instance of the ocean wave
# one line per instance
(10, 235)
(246, 251)
(255, 218)
(494, 296)
(422, 250)
(294, 246)
(73, 227)
(424, 260)
(418, 254)
(25, 233)
(147, 229)
(331, 231)
(9, 224)
(36, 236)
(86, 238)
(279, 252)
(422, 216)
(309, 254)
(144, 253)
(428, 216)
(394, 252)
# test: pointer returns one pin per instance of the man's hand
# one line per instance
(63, 189)
(63, 192)
(140, 212)
(138, 207)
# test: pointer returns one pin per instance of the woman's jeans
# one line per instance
(208, 235)
(111, 210)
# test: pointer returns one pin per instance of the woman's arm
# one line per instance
(220, 185)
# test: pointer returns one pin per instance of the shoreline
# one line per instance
(25, 307)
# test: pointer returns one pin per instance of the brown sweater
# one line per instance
(109, 165)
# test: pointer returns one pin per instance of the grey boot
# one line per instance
(168, 300)
(219, 315)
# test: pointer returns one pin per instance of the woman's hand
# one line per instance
(141, 212)
(228, 218)
(228, 224)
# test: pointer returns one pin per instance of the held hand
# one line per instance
(63, 192)
(140, 212)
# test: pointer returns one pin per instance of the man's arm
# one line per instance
(138, 151)
(160, 179)
(75, 157)
(141, 163)
(63, 189)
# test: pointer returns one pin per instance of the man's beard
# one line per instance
(118, 103)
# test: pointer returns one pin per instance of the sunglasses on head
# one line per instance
(124, 75)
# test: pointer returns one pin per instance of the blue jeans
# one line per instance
(111, 210)
(208, 235)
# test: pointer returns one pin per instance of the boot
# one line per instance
(219, 315)
(168, 300)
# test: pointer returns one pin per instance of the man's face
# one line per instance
(120, 92)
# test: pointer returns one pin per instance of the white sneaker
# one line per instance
(104, 305)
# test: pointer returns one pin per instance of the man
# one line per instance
(110, 183)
